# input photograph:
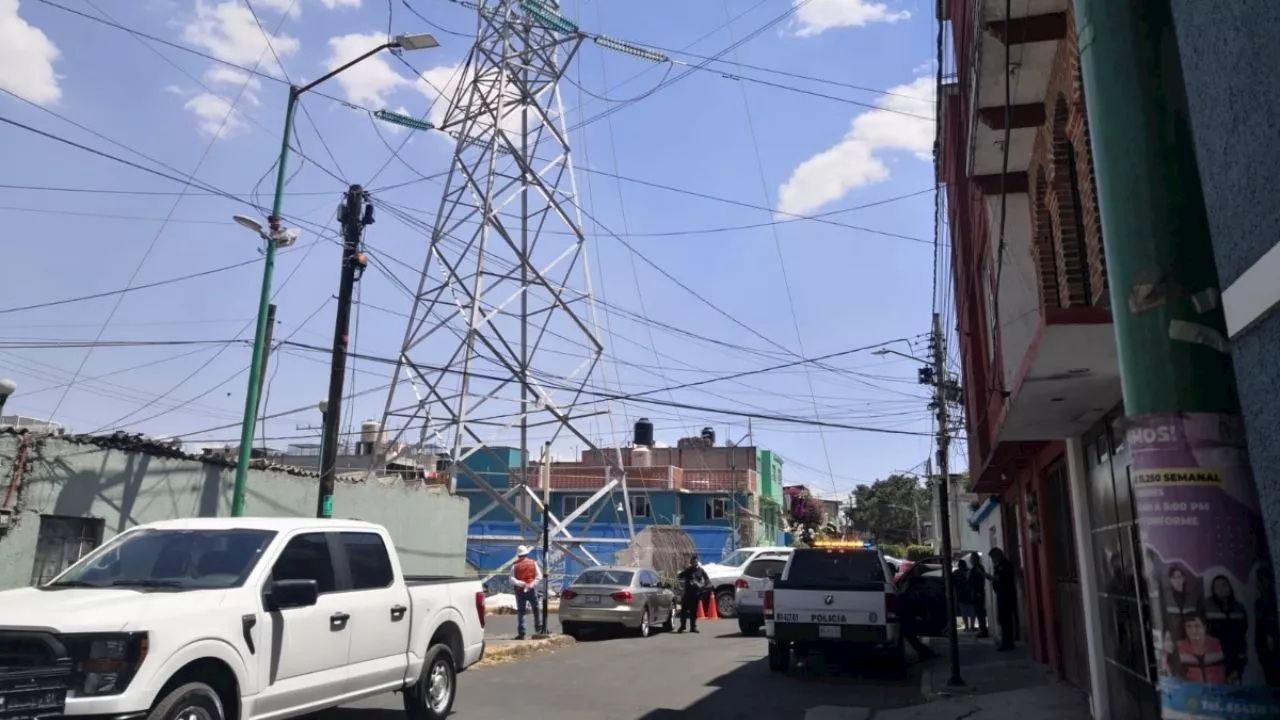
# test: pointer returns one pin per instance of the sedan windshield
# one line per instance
(170, 559)
(605, 577)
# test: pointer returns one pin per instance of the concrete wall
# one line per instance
(1234, 100)
(129, 487)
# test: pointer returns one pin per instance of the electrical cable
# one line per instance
(782, 264)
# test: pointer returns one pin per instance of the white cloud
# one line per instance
(857, 160)
(228, 31)
(335, 4)
(215, 115)
(223, 75)
(818, 16)
(26, 58)
(372, 80)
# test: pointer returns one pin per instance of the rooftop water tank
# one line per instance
(641, 457)
(644, 433)
(709, 434)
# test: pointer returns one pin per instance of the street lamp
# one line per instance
(7, 388)
(276, 237)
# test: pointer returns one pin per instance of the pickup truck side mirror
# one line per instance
(285, 594)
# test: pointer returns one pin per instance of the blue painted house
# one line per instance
(715, 501)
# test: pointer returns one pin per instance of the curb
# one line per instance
(553, 609)
(513, 650)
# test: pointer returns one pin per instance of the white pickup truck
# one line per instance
(236, 618)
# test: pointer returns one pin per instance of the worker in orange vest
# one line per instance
(525, 577)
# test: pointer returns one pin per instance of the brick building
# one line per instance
(1040, 370)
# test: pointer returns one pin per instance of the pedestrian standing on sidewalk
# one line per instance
(960, 589)
(694, 583)
(1004, 583)
(978, 593)
(525, 576)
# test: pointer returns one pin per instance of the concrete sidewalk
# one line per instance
(997, 686)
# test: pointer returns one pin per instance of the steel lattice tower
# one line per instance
(503, 337)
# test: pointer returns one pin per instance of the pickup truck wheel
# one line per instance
(193, 701)
(779, 657)
(750, 628)
(431, 698)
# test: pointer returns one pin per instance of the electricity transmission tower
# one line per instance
(502, 337)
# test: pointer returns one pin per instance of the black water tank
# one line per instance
(709, 434)
(644, 432)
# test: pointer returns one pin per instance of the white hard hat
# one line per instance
(523, 550)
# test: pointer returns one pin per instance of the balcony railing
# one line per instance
(594, 478)
(739, 481)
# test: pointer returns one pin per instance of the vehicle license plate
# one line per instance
(829, 632)
(592, 599)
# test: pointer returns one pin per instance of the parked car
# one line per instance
(724, 574)
(749, 591)
(840, 597)
(216, 618)
(631, 597)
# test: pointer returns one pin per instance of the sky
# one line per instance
(698, 193)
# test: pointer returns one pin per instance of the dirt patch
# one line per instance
(507, 651)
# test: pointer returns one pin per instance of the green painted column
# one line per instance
(1202, 553)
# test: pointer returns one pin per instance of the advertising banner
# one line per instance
(1210, 583)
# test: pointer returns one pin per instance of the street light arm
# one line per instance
(342, 68)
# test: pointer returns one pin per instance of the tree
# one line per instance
(892, 510)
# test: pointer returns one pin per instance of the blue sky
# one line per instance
(849, 288)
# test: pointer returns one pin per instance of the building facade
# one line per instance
(1238, 156)
(1038, 349)
(713, 493)
(65, 495)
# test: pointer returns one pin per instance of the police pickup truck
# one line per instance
(835, 596)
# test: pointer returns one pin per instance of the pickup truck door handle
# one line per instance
(397, 612)
(338, 621)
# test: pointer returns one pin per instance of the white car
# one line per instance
(237, 618)
(724, 574)
(749, 591)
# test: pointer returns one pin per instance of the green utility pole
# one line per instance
(275, 237)
(1194, 495)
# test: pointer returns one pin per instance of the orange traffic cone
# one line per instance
(699, 611)
(713, 612)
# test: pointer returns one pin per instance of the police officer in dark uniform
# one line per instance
(694, 583)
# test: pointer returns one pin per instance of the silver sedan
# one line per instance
(630, 597)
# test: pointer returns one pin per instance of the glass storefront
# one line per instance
(1128, 655)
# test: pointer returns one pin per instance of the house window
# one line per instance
(60, 542)
(573, 502)
(717, 508)
(640, 506)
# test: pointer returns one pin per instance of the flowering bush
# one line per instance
(806, 512)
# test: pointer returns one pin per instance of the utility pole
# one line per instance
(544, 474)
(1193, 485)
(355, 213)
(281, 237)
(940, 398)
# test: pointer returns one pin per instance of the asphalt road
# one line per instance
(715, 674)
